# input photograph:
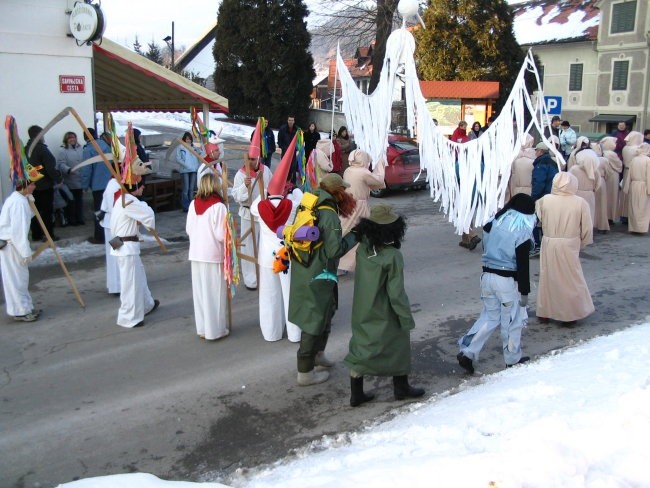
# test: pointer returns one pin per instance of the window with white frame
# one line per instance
(623, 17)
(619, 75)
(575, 77)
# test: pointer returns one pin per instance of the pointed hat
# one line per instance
(279, 178)
(254, 150)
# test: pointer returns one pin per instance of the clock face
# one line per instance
(84, 22)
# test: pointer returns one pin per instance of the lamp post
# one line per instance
(171, 45)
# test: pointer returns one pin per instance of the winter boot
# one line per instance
(321, 360)
(312, 377)
(358, 396)
(403, 390)
(465, 363)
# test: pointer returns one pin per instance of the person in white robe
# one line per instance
(16, 253)
(245, 190)
(106, 206)
(135, 298)
(206, 228)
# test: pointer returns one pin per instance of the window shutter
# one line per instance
(575, 77)
(623, 16)
(619, 75)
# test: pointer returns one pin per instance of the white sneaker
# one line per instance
(312, 377)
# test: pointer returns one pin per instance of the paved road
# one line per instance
(83, 397)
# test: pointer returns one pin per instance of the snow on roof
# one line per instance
(548, 21)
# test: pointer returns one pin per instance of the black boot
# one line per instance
(403, 390)
(358, 396)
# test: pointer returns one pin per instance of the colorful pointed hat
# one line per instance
(279, 178)
(255, 150)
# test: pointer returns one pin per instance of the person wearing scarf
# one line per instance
(244, 191)
(135, 297)
(505, 282)
(205, 226)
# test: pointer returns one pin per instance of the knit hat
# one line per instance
(383, 214)
(333, 180)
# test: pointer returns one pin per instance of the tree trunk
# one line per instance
(384, 22)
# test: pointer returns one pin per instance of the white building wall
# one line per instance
(34, 50)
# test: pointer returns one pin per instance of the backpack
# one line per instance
(299, 248)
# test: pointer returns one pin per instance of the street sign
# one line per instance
(72, 84)
(553, 105)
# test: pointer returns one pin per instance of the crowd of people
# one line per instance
(552, 209)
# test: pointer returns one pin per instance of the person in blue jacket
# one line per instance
(544, 170)
(95, 177)
(188, 166)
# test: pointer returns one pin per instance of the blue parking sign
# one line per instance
(553, 105)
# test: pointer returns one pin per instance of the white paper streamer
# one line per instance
(483, 163)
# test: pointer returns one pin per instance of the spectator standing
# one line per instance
(140, 149)
(381, 314)
(646, 136)
(346, 146)
(312, 136)
(505, 282)
(188, 166)
(544, 170)
(567, 138)
(337, 156)
(554, 128)
(95, 177)
(563, 294)
(620, 133)
(71, 155)
(269, 139)
(460, 133)
(285, 136)
(475, 131)
(44, 192)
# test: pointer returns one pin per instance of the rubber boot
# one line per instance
(403, 390)
(358, 396)
(322, 361)
(312, 377)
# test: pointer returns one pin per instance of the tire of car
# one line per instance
(379, 193)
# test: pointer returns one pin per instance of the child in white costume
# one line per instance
(112, 269)
(135, 298)
(16, 254)
(206, 220)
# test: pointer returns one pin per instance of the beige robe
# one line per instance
(632, 142)
(571, 160)
(361, 181)
(612, 176)
(586, 172)
(601, 223)
(637, 188)
(563, 293)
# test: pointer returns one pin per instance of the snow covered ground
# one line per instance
(578, 418)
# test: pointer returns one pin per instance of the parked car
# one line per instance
(403, 166)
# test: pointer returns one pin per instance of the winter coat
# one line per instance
(95, 176)
(285, 136)
(381, 314)
(346, 146)
(459, 135)
(69, 157)
(563, 293)
(544, 169)
(568, 139)
(620, 136)
(41, 155)
(188, 162)
(312, 301)
(521, 174)
(311, 138)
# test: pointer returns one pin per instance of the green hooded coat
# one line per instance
(381, 314)
(312, 302)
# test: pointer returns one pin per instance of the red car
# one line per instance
(403, 166)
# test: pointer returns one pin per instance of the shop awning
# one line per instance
(628, 119)
(125, 80)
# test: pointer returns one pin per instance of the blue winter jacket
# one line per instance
(95, 176)
(544, 169)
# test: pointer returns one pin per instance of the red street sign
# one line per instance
(72, 84)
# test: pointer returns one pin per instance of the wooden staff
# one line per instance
(252, 220)
(50, 243)
(224, 195)
(200, 158)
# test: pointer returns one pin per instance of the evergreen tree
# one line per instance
(137, 47)
(154, 53)
(470, 41)
(263, 65)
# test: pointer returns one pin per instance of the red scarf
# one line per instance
(273, 216)
(202, 204)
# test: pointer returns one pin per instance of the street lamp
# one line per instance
(171, 45)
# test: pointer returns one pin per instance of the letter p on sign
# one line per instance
(553, 105)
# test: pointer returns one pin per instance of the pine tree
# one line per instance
(263, 65)
(154, 53)
(137, 47)
(470, 41)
